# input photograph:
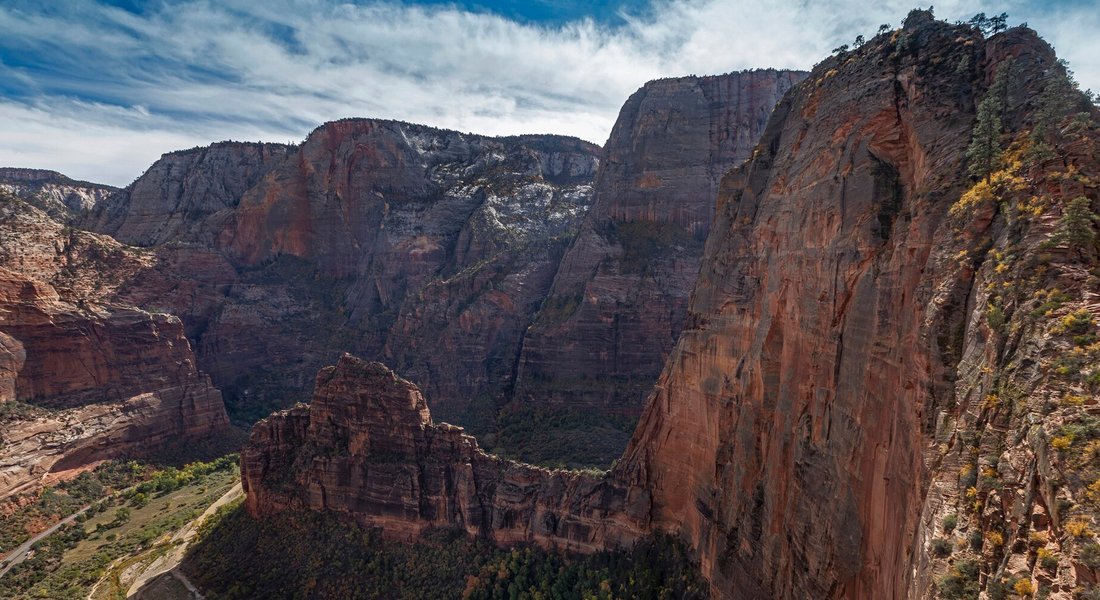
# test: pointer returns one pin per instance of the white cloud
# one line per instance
(202, 71)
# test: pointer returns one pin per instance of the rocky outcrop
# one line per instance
(62, 198)
(887, 383)
(807, 431)
(114, 382)
(88, 379)
(366, 447)
(173, 200)
(621, 292)
(389, 239)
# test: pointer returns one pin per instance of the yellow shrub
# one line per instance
(1061, 442)
(1023, 587)
(1072, 400)
(971, 492)
(1093, 492)
(991, 401)
(1078, 528)
(995, 538)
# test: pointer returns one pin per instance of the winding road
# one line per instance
(20, 554)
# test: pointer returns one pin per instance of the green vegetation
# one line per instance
(942, 547)
(1077, 226)
(316, 555)
(32, 513)
(950, 521)
(560, 438)
(984, 153)
(961, 581)
(67, 564)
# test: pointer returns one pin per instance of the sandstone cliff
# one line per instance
(366, 447)
(888, 380)
(104, 382)
(620, 295)
(62, 198)
(173, 200)
(393, 240)
(89, 380)
(842, 362)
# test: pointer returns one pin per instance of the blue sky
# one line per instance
(98, 90)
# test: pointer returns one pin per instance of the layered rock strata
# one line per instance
(101, 382)
(61, 197)
(887, 382)
(621, 292)
(366, 447)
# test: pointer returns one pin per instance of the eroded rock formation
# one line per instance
(62, 198)
(881, 354)
(101, 382)
(366, 447)
(620, 295)
(90, 379)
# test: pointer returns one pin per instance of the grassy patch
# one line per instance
(117, 534)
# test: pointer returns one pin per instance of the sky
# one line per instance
(100, 89)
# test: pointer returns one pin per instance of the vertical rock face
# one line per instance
(94, 380)
(62, 198)
(173, 199)
(366, 447)
(394, 240)
(887, 384)
(621, 292)
(817, 393)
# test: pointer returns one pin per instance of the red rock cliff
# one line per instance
(621, 292)
(366, 447)
(889, 370)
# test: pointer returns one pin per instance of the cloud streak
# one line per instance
(98, 92)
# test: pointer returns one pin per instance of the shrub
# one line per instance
(976, 540)
(1078, 528)
(1090, 555)
(941, 547)
(1047, 559)
(1023, 587)
(961, 581)
(950, 521)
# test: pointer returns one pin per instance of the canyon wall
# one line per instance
(366, 447)
(887, 384)
(62, 198)
(621, 292)
(86, 380)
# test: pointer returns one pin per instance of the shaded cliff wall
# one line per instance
(888, 381)
(621, 292)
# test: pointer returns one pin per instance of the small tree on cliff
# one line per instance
(1076, 228)
(984, 152)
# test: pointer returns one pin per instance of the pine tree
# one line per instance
(1076, 227)
(985, 149)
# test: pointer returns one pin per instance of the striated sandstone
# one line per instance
(116, 382)
(621, 292)
(62, 198)
(177, 196)
(869, 349)
(366, 447)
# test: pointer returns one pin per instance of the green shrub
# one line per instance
(942, 547)
(950, 521)
(961, 581)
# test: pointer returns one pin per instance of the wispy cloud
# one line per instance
(99, 92)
